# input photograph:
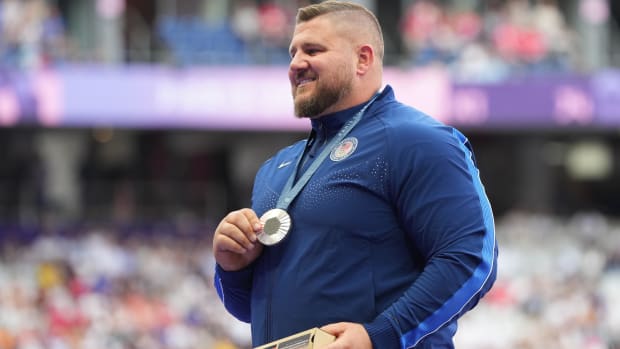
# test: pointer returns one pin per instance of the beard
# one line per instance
(326, 94)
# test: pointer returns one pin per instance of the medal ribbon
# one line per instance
(290, 192)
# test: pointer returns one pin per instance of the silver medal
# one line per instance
(276, 224)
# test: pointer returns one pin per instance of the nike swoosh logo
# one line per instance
(284, 164)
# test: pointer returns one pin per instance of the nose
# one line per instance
(298, 62)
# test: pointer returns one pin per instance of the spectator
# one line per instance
(32, 34)
(550, 22)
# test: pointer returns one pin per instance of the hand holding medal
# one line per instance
(234, 241)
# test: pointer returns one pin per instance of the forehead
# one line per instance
(320, 29)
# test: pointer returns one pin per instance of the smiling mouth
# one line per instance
(301, 80)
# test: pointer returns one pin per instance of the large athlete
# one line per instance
(377, 227)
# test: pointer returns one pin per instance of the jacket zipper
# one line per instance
(269, 298)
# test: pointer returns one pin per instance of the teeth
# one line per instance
(304, 81)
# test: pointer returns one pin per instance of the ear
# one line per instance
(365, 58)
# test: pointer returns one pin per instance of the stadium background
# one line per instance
(128, 128)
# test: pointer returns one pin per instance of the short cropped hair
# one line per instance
(309, 12)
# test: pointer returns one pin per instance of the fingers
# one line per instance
(334, 329)
(254, 222)
(348, 335)
(237, 231)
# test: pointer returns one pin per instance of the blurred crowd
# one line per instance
(32, 34)
(476, 40)
(557, 286)
(97, 288)
(506, 37)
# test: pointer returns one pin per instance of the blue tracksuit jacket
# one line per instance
(393, 231)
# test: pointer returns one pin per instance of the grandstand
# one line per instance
(128, 128)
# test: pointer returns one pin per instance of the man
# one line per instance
(377, 228)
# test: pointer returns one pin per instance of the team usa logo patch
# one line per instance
(344, 149)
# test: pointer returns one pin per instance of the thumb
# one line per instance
(335, 329)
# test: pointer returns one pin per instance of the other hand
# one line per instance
(348, 335)
(234, 243)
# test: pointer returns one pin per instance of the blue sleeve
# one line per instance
(235, 289)
(441, 201)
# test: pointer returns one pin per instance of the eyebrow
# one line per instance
(305, 46)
